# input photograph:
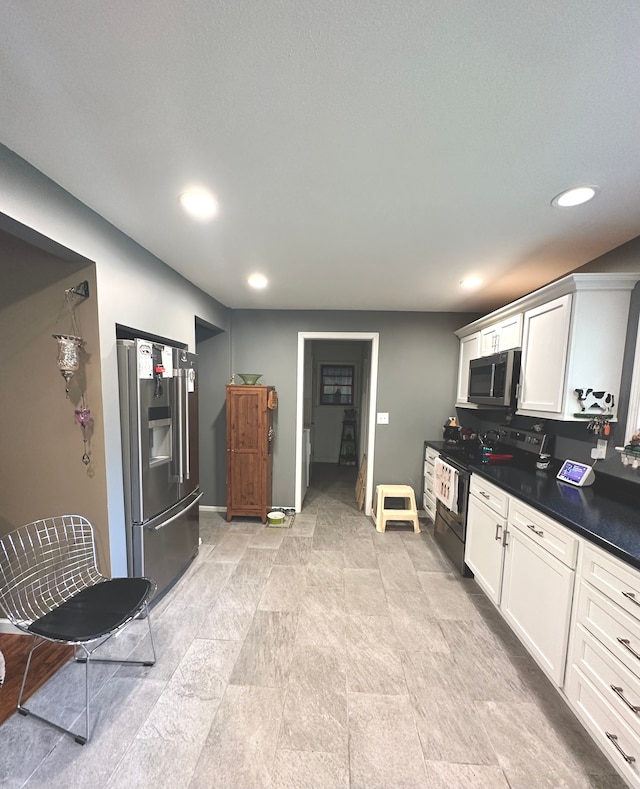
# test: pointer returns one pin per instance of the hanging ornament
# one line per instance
(69, 357)
(83, 418)
(69, 348)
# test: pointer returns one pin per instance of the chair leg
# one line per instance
(24, 676)
(79, 738)
(86, 659)
(147, 616)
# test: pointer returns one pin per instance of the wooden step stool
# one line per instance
(383, 515)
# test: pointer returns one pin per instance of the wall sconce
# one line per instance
(69, 350)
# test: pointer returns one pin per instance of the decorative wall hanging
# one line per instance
(70, 348)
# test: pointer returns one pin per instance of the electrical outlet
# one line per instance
(602, 448)
(383, 418)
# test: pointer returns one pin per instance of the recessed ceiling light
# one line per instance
(471, 282)
(575, 196)
(258, 281)
(199, 204)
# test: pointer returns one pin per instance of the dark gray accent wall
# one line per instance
(417, 373)
(213, 349)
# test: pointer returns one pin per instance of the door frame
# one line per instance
(374, 338)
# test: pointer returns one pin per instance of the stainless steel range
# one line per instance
(452, 473)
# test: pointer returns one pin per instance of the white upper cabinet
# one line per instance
(573, 342)
(469, 349)
(544, 358)
(572, 333)
(501, 336)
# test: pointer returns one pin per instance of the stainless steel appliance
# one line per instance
(493, 380)
(456, 462)
(450, 525)
(159, 419)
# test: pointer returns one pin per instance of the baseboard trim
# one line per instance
(7, 627)
(209, 508)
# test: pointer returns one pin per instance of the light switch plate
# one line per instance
(383, 417)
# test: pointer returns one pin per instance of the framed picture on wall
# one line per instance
(336, 384)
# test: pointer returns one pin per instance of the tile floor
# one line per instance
(325, 655)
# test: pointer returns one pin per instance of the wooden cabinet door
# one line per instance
(489, 340)
(248, 466)
(483, 553)
(545, 346)
(469, 349)
(510, 333)
(537, 592)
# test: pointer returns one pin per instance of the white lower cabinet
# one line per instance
(575, 606)
(524, 562)
(603, 670)
(537, 592)
(618, 741)
(428, 496)
(484, 551)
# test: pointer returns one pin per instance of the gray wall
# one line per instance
(416, 380)
(133, 288)
(214, 353)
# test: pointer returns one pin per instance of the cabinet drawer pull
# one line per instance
(631, 596)
(627, 645)
(620, 692)
(539, 532)
(498, 531)
(613, 738)
(486, 495)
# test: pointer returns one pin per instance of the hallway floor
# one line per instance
(324, 655)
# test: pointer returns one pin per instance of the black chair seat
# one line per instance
(93, 612)
(53, 559)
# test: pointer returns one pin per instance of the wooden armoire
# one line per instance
(250, 449)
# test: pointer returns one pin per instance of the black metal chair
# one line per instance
(51, 589)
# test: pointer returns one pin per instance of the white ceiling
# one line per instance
(366, 154)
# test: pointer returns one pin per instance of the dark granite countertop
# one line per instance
(607, 513)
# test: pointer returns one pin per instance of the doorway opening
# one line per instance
(329, 348)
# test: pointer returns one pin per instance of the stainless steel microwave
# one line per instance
(493, 380)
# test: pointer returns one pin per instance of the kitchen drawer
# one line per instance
(605, 725)
(429, 475)
(617, 580)
(429, 504)
(560, 542)
(430, 455)
(492, 496)
(611, 625)
(616, 684)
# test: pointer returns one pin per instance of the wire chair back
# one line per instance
(44, 564)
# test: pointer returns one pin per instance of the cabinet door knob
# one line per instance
(539, 532)
(498, 531)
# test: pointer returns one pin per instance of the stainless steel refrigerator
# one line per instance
(159, 418)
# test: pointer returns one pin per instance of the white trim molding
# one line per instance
(374, 338)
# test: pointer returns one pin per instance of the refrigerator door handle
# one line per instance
(178, 515)
(179, 388)
(187, 468)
